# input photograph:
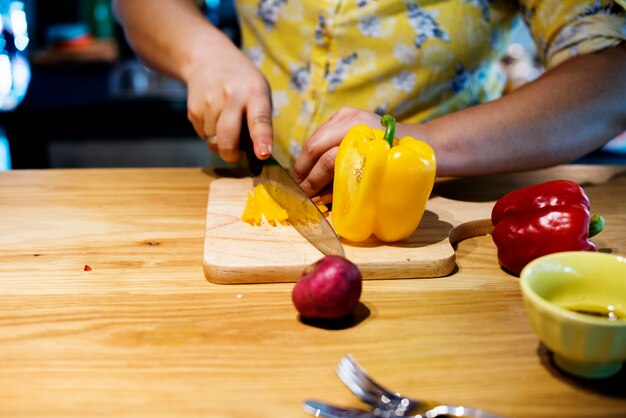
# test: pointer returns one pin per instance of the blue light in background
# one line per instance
(19, 25)
(212, 7)
(5, 156)
(14, 66)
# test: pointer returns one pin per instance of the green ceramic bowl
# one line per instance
(576, 303)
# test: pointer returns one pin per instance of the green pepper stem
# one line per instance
(596, 224)
(389, 122)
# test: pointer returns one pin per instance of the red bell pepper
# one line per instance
(542, 219)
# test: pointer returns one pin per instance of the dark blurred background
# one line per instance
(90, 102)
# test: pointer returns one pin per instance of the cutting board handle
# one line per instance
(470, 229)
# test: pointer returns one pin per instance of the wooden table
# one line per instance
(144, 334)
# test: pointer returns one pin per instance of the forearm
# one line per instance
(568, 112)
(223, 85)
(171, 36)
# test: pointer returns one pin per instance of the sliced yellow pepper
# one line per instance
(381, 183)
(272, 211)
(260, 204)
(252, 211)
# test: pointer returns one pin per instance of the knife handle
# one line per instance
(255, 166)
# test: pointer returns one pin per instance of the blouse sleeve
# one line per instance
(562, 29)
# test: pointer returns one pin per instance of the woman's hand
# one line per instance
(223, 91)
(315, 165)
(223, 85)
(314, 168)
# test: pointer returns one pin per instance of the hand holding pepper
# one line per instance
(381, 183)
(542, 219)
(314, 167)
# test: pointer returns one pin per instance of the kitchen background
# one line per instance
(73, 94)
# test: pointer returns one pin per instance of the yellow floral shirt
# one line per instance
(415, 59)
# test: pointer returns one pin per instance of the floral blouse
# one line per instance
(415, 59)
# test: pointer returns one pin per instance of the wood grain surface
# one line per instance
(237, 252)
(144, 334)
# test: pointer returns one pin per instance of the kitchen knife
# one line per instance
(303, 214)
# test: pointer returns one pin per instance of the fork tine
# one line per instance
(366, 388)
(346, 373)
(360, 372)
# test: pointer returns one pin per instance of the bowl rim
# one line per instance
(529, 293)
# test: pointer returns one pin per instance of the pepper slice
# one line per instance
(542, 219)
(381, 183)
(252, 213)
(260, 204)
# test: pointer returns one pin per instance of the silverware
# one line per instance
(321, 409)
(391, 404)
(304, 215)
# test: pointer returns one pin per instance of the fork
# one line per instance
(391, 404)
(324, 410)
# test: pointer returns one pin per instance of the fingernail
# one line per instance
(264, 150)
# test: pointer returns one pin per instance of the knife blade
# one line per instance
(303, 213)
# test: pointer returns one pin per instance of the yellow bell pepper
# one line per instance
(381, 183)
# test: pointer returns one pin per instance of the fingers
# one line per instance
(314, 167)
(203, 113)
(228, 128)
(326, 137)
(217, 118)
(321, 175)
(197, 121)
(217, 105)
(229, 123)
(324, 196)
(259, 114)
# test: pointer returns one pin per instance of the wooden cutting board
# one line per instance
(236, 252)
